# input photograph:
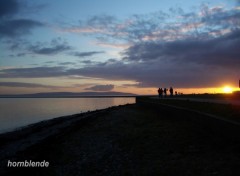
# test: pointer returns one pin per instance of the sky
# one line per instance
(126, 46)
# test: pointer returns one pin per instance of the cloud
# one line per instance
(50, 62)
(54, 47)
(87, 54)
(108, 27)
(113, 45)
(25, 85)
(17, 27)
(87, 62)
(220, 51)
(202, 22)
(101, 88)
(101, 21)
(199, 49)
(8, 7)
(10, 25)
(181, 63)
(35, 72)
(67, 63)
(218, 16)
(178, 63)
(95, 24)
(154, 74)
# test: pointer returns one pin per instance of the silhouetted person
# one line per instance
(171, 91)
(176, 93)
(160, 92)
(165, 92)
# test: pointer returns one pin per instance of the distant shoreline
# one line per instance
(111, 96)
(69, 95)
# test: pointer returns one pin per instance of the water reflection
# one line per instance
(17, 112)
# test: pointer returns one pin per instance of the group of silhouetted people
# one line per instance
(162, 92)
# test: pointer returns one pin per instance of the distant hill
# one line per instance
(70, 95)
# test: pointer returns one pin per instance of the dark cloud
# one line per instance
(35, 72)
(16, 44)
(222, 51)
(49, 50)
(50, 62)
(86, 54)
(154, 74)
(101, 88)
(114, 71)
(10, 25)
(87, 62)
(67, 63)
(17, 27)
(11, 8)
(94, 63)
(25, 85)
(108, 62)
(181, 63)
(17, 55)
(21, 54)
(8, 7)
(219, 17)
(56, 46)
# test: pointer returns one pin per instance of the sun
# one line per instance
(227, 89)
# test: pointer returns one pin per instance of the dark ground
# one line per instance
(136, 140)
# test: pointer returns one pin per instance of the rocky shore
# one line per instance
(124, 140)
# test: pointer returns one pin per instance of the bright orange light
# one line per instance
(227, 89)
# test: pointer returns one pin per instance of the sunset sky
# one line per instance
(126, 46)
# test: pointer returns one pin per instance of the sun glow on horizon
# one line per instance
(227, 89)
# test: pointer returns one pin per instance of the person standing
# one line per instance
(171, 91)
(165, 92)
(160, 92)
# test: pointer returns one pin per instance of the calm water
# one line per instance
(18, 112)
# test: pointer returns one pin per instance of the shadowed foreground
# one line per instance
(135, 140)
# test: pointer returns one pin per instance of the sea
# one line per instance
(19, 112)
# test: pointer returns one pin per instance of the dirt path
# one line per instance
(220, 101)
